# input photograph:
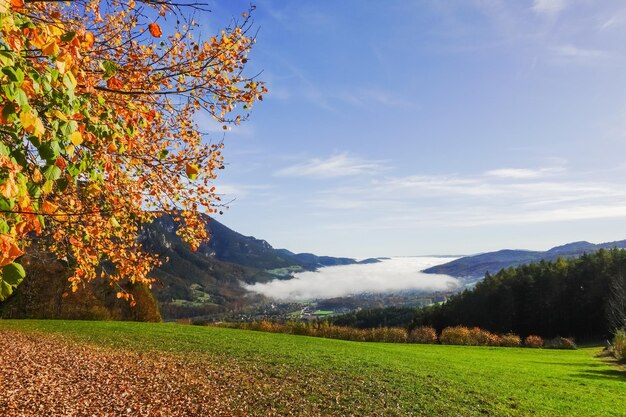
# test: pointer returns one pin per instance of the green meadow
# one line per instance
(337, 377)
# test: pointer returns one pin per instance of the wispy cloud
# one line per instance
(496, 197)
(549, 7)
(522, 173)
(340, 165)
(571, 51)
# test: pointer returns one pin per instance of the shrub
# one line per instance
(423, 334)
(560, 343)
(533, 341)
(457, 335)
(510, 340)
(480, 337)
(619, 345)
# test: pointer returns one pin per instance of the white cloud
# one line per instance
(341, 165)
(395, 274)
(521, 173)
(571, 51)
(549, 7)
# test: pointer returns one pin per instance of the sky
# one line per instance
(401, 128)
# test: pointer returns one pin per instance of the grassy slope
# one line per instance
(383, 379)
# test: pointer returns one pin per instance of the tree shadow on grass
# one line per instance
(578, 365)
(611, 374)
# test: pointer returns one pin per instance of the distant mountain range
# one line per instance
(473, 268)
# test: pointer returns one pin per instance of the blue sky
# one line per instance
(431, 127)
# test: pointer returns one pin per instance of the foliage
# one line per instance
(42, 295)
(423, 334)
(533, 341)
(97, 131)
(481, 337)
(510, 340)
(566, 297)
(457, 335)
(560, 343)
(619, 344)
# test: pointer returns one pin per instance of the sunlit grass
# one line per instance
(381, 378)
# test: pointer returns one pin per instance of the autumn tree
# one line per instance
(98, 131)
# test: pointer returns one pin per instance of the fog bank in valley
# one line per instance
(393, 274)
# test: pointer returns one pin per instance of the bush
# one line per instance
(533, 341)
(480, 337)
(510, 340)
(457, 335)
(423, 334)
(619, 345)
(560, 343)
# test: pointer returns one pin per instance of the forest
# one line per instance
(581, 297)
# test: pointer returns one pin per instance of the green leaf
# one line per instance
(15, 74)
(5, 290)
(68, 36)
(109, 68)
(50, 151)
(34, 190)
(52, 172)
(21, 98)
(13, 273)
(4, 226)
(62, 184)
(6, 204)
(163, 153)
(47, 187)
(9, 91)
(8, 112)
(6, 58)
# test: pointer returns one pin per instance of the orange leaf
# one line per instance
(155, 30)
(48, 208)
(89, 40)
(115, 83)
(17, 4)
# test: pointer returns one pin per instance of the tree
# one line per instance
(97, 129)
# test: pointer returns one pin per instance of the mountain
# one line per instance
(473, 268)
(189, 283)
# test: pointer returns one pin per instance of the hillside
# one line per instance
(581, 297)
(189, 284)
(473, 268)
(191, 370)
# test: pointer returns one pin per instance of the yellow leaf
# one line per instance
(59, 115)
(27, 119)
(38, 128)
(51, 48)
(60, 66)
(56, 29)
(76, 138)
(71, 78)
(70, 150)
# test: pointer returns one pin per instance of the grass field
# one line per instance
(298, 375)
